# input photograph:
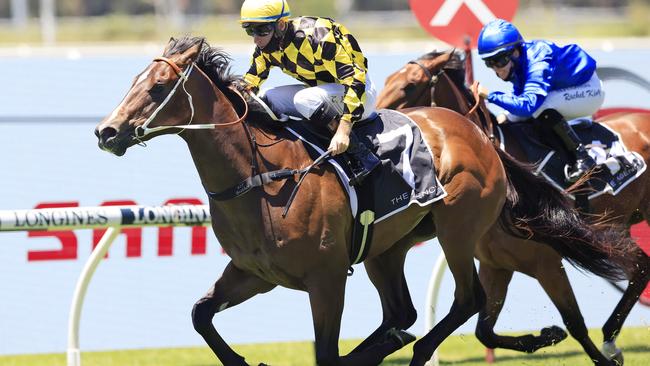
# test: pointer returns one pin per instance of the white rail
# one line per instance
(432, 299)
(111, 217)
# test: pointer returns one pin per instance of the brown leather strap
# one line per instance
(171, 63)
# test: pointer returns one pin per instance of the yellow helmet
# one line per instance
(264, 11)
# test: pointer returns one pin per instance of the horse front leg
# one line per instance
(326, 297)
(234, 287)
(495, 283)
(386, 272)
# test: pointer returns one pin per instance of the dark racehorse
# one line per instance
(190, 92)
(439, 79)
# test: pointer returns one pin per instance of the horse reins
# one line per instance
(183, 77)
(433, 80)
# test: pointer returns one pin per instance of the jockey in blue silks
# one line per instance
(550, 83)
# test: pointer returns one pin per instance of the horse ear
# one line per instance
(192, 53)
(170, 45)
(451, 54)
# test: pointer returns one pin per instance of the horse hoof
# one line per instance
(401, 336)
(554, 334)
(617, 358)
(612, 353)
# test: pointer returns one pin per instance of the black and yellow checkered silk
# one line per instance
(317, 51)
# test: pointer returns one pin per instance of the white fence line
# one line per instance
(433, 290)
(113, 218)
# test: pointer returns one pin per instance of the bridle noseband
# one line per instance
(432, 78)
(183, 76)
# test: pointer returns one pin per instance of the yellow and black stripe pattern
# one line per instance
(317, 51)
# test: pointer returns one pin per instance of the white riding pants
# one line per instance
(574, 102)
(299, 100)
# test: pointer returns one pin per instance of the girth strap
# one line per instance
(252, 182)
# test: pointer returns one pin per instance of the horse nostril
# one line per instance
(106, 134)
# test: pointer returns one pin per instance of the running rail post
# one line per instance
(74, 354)
(432, 299)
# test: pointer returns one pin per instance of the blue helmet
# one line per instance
(498, 36)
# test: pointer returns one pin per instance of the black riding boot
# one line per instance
(583, 161)
(362, 160)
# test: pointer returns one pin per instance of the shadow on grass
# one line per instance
(539, 356)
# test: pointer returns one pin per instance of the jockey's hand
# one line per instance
(502, 118)
(480, 89)
(341, 139)
(246, 87)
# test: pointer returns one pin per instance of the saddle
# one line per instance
(406, 175)
(616, 166)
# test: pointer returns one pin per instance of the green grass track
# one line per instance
(462, 350)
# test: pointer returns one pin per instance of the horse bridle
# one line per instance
(433, 80)
(183, 76)
(256, 179)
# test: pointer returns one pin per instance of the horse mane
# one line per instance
(216, 64)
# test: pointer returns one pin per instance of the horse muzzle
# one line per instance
(108, 141)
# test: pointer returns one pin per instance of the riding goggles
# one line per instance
(259, 30)
(499, 60)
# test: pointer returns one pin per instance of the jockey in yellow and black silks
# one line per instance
(335, 88)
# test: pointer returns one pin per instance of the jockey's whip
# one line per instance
(303, 174)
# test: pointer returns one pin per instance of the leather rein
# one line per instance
(433, 80)
(256, 179)
(183, 77)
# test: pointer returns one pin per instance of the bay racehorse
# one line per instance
(438, 78)
(190, 92)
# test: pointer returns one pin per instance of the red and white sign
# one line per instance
(452, 21)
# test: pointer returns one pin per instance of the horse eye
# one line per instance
(157, 88)
(156, 92)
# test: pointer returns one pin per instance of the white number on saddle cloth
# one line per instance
(405, 162)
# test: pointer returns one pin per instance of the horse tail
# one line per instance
(536, 210)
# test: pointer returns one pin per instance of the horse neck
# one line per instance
(222, 155)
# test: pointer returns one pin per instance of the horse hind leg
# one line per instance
(556, 284)
(386, 272)
(234, 287)
(459, 226)
(495, 282)
(637, 283)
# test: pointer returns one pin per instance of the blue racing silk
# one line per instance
(544, 67)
